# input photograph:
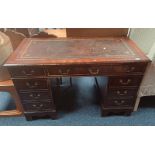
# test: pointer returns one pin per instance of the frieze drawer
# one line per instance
(26, 84)
(125, 81)
(129, 68)
(76, 70)
(26, 71)
(65, 70)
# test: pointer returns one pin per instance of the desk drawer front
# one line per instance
(119, 103)
(122, 93)
(26, 84)
(77, 70)
(125, 81)
(35, 95)
(28, 71)
(129, 68)
(38, 106)
(65, 71)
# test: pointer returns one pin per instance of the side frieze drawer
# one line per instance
(130, 68)
(125, 81)
(24, 84)
(26, 71)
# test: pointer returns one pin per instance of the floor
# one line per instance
(79, 106)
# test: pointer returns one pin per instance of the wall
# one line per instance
(144, 38)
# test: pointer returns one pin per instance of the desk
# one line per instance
(35, 61)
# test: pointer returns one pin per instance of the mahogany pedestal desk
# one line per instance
(36, 61)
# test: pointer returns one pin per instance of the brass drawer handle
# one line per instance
(130, 69)
(41, 105)
(119, 103)
(66, 72)
(34, 105)
(32, 86)
(35, 97)
(29, 73)
(121, 94)
(125, 83)
(94, 71)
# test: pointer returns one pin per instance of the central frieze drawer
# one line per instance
(78, 70)
(26, 71)
(24, 84)
(35, 95)
(66, 70)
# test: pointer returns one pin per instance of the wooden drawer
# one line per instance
(65, 70)
(119, 103)
(26, 84)
(125, 81)
(38, 105)
(26, 71)
(129, 68)
(76, 70)
(92, 70)
(38, 95)
(122, 93)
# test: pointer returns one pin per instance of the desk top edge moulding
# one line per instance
(35, 51)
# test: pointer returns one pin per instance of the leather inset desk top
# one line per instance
(59, 51)
(76, 48)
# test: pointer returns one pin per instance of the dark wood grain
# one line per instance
(76, 51)
(37, 60)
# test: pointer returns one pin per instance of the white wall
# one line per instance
(144, 38)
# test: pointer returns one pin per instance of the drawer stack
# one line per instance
(122, 89)
(34, 91)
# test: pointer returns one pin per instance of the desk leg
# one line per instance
(28, 118)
